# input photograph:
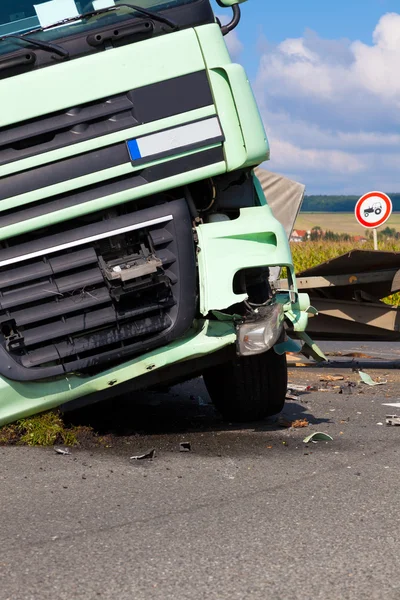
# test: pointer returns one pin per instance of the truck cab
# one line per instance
(136, 244)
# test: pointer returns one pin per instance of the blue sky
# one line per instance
(326, 79)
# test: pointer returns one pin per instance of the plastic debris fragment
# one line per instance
(63, 452)
(368, 379)
(185, 447)
(318, 436)
(148, 456)
(292, 397)
(298, 388)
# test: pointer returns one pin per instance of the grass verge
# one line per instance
(46, 429)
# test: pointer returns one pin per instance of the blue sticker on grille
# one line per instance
(133, 149)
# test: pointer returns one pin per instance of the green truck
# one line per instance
(136, 242)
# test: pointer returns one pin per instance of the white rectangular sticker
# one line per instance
(179, 137)
(99, 4)
(55, 11)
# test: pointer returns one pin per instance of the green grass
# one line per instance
(46, 429)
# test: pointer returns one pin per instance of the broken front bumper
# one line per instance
(22, 399)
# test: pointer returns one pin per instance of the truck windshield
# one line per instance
(19, 16)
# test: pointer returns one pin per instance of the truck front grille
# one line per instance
(80, 299)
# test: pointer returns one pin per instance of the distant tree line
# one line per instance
(317, 234)
(340, 204)
(388, 232)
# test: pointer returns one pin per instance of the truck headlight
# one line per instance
(260, 334)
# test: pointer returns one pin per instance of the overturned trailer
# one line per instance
(347, 292)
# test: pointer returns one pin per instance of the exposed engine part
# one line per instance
(132, 266)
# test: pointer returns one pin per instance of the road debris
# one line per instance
(292, 387)
(393, 420)
(332, 378)
(300, 423)
(318, 436)
(283, 422)
(185, 447)
(63, 452)
(292, 397)
(368, 379)
(148, 456)
(347, 388)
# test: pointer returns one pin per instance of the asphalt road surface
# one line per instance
(251, 512)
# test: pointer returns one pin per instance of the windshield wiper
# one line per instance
(43, 45)
(100, 11)
(148, 13)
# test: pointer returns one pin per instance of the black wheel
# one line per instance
(249, 388)
(378, 211)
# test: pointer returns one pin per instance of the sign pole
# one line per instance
(375, 232)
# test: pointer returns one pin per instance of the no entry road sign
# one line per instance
(373, 209)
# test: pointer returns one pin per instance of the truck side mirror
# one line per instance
(236, 14)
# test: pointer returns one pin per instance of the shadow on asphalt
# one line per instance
(182, 409)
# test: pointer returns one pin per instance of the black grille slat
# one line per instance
(58, 308)
(68, 168)
(50, 289)
(82, 322)
(86, 343)
(74, 116)
(47, 268)
(67, 128)
(160, 237)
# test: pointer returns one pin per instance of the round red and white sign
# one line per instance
(373, 209)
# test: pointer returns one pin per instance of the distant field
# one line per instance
(339, 222)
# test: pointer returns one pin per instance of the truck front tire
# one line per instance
(248, 388)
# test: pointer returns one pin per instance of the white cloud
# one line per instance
(234, 44)
(331, 109)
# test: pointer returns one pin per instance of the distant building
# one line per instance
(298, 235)
(360, 239)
